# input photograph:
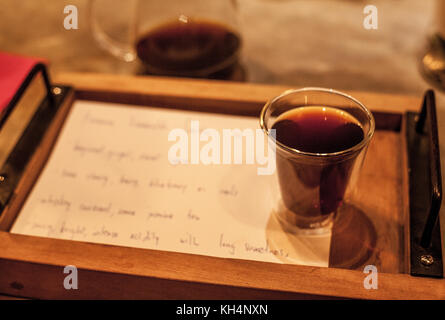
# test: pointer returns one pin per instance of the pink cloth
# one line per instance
(13, 70)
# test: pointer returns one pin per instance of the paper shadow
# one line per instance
(289, 248)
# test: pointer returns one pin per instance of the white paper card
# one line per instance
(109, 180)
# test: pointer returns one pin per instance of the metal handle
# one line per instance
(428, 112)
(425, 190)
(11, 171)
(39, 67)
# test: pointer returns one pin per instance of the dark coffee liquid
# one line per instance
(315, 188)
(318, 130)
(192, 48)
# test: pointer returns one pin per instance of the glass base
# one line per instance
(346, 240)
(300, 225)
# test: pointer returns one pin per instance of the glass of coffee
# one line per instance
(321, 137)
(191, 38)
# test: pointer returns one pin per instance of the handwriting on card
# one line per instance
(108, 180)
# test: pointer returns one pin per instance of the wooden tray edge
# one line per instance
(194, 90)
(49, 256)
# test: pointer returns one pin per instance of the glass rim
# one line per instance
(352, 149)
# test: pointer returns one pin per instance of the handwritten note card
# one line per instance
(109, 180)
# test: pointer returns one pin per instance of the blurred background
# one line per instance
(292, 42)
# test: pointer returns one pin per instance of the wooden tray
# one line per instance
(33, 266)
